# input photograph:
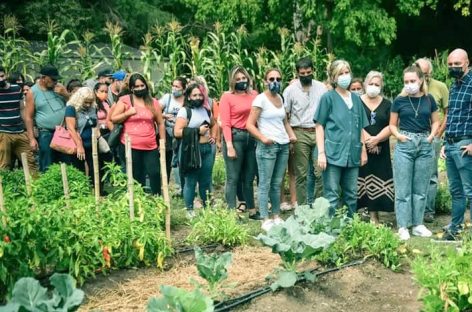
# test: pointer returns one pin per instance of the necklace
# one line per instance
(417, 108)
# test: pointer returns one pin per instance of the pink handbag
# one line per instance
(62, 141)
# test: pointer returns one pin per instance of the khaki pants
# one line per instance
(16, 144)
(303, 150)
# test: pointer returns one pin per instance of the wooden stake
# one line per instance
(2, 204)
(165, 185)
(24, 162)
(129, 172)
(65, 184)
(96, 175)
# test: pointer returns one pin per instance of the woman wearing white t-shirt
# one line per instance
(267, 122)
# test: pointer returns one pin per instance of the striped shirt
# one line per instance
(459, 115)
(10, 110)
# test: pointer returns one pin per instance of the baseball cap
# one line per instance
(106, 72)
(50, 71)
(119, 75)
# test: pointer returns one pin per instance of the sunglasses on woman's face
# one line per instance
(272, 79)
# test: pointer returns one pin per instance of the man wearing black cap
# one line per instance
(45, 107)
(104, 76)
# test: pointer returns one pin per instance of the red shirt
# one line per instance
(234, 111)
(140, 127)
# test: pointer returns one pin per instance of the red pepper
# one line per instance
(6, 239)
(106, 257)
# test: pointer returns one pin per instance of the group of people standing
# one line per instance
(334, 134)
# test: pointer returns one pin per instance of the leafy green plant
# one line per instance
(179, 300)
(443, 198)
(218, 225)
(29, 295)
(361, 240)
(294, 242)
(48, 187)
(445, 278)
(213, 268)
(219, 172)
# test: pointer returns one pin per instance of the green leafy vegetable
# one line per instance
(179, 300)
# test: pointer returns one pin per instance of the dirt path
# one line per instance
(367, 288)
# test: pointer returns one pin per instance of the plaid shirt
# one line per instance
(459, 115)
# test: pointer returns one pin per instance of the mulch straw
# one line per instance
(130, 290)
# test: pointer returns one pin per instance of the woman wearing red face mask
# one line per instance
(104, 124)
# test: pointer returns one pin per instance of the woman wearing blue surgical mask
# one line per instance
(414, 121)
(357, 86)
(375, 180)
(340, 119)
(171, 103)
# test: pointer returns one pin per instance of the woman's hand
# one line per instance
(403, 138)
(322, 163)
(372, 141)
(364, 157)
(232, 152)
(80, 152)
(203, 129)
(266, 141)
(130, 111)
(293, 139)
(430, 138)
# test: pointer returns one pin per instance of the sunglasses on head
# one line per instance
(272, 79)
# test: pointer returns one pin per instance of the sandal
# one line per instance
(241, 208)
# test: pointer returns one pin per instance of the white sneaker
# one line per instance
(285, 206)
(421, 230)
(190, 214)
(267, 224)
(404, 234)
(278, 220)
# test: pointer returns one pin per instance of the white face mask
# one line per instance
(412, 88)
(372, 91)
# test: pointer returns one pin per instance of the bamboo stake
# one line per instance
(65, 184)
(24, 162)
(165, 185)
(2, 204)
(129, 172)
(96, 175)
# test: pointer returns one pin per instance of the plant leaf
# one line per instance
(286, 279)
(29, 294)
(65, 288)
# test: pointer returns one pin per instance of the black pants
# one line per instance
(146, 163)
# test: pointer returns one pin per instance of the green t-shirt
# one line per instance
(343, 127)
(440, 94)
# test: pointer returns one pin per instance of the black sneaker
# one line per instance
(256, 216)
(429, 218)
(448, 236)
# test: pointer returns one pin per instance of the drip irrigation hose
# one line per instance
(234, 302)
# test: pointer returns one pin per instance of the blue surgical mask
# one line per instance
(275, 86)
(344, 81)
(177, 93)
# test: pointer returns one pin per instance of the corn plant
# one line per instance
(115, 33)
(14, 51)
(85, 63)
(57, 45)
(148, 58)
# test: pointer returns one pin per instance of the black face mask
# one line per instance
(141, 93)
(241, 86)
(3, 83)
(306, 80)
(456, 72)
(195, 103)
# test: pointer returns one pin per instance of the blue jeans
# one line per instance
(48, 156)
(412, 163)
(459, 174)
(272, 161)
(243, 167)
(202, 176)
(433, 182)
(341, 182)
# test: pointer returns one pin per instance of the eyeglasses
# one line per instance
(272, 79)
(372, 118)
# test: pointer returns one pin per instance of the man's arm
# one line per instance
(28, 119)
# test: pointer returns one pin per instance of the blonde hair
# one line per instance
(417, 70)
(84, 94)
(371, 75)
(335, 68)
(232, 78)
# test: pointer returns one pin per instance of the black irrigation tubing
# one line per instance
(234, 302)
(191, 249)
